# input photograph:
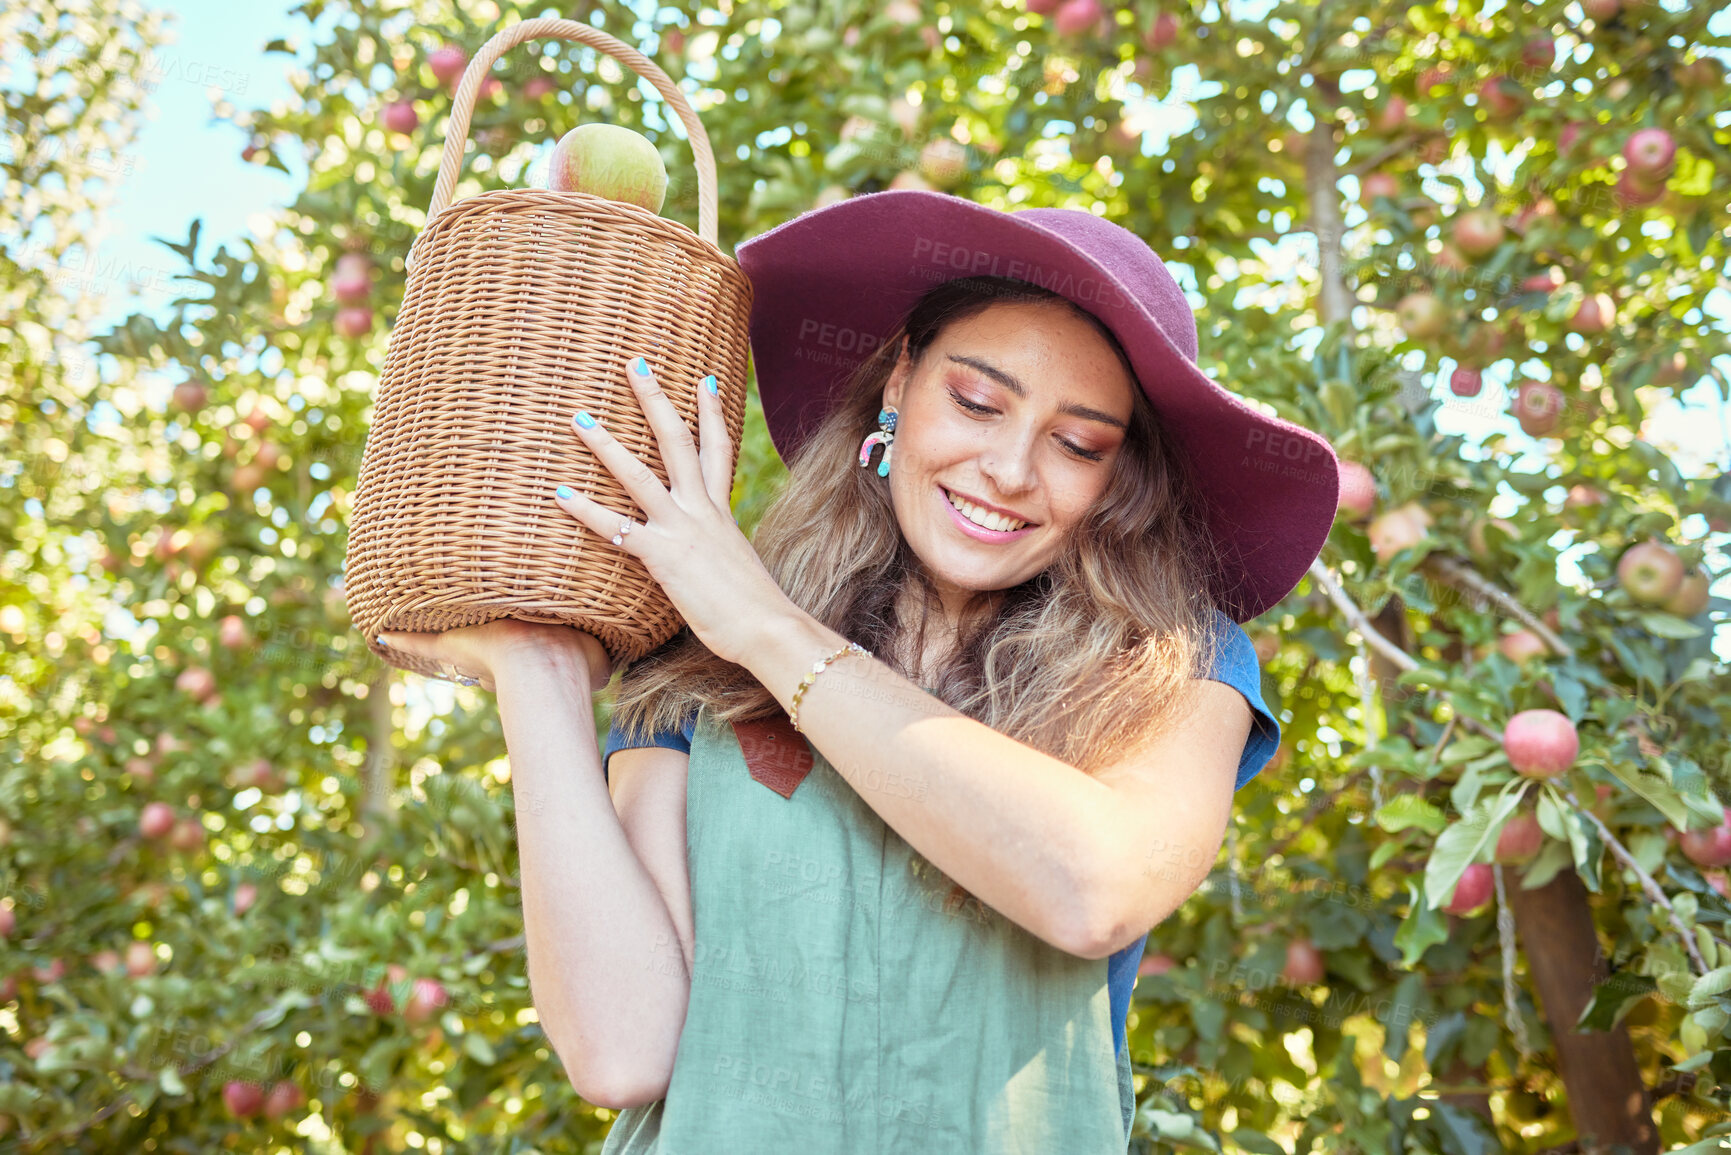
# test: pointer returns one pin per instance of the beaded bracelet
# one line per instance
(816, 669)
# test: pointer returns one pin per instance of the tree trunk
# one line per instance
(1606, 1097)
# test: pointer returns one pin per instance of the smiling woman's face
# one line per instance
(1053, 404)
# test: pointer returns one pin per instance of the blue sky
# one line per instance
(184, 165)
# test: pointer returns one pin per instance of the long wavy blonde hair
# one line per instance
(1082, 661)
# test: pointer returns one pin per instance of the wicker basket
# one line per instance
(523, 306)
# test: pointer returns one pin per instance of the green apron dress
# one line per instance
(841, 1005)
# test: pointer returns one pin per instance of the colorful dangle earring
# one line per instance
(886, 438)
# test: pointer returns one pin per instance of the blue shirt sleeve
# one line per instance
(1236, 666)
(679, 739)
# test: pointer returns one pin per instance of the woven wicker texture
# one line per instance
(523, 306)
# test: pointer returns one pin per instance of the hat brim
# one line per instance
(832, 285)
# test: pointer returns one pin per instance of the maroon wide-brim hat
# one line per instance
(833, 284)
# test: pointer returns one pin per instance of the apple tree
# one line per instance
(260, 889)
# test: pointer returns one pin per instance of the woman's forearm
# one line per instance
(606, 969)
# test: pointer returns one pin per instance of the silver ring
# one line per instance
(465, 680)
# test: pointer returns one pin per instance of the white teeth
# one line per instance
(983, 518)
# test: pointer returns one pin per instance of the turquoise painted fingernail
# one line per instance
(640, 367)
(709, 383)
(584, 419)
(564, 491)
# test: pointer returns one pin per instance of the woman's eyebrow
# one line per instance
(1009, 382)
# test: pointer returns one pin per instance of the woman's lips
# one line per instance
(979, 532)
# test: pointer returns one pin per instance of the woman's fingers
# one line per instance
(716, 450)
(678, 447)
(638, 480)
(594, 516)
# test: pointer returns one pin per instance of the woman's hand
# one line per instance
(691, 544)
(478, 651)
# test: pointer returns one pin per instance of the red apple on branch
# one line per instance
(1074, 17)
(354, 321)
(1162, 32)
(140, 959)
(944, 161)
(1521, 645)
(1651, 153)
(243, 1100)
(197, 681)
(156, 820)
(1464, 382)
(1708, 847)
(231, 632)
(187, 836)
(1304, 963)
(190, 396)
(1155, 964)
(1691, 597)
(1521, 839)
(1474, 889)
(400, 116)
(1538, 407)
(1391, 117)
(1540, 743)
(447, 64)
(1421, 315)
(1632, 193)
(426, 996)
(284, 1097)
(1539, 52)
(1650, 572)
(1596, 313)
(1478, 232)
(1400, 528)
(1501, 98)
(1377, 184)
(1548, 281)
(1357, 490)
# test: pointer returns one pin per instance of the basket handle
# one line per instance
(457, 133)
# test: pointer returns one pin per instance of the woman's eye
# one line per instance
(1084, 454)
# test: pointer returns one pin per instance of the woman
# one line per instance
(891, 820)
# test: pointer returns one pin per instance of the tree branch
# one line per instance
(1357, 619)
(1621, 853)
(1453, 573)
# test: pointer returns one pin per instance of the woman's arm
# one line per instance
(1070, 858)
(606, 967)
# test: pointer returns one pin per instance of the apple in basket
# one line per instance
(611, 161)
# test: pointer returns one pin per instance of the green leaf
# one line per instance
(1397, 1022)
(1459, 846)
(1668, 626)
(1553, 858)
(1256, 1142)
(1709, 986)
(1654, 790)
(1408, 810)
(1471, 1134)
(1613, 998)
(476, 1046)
(1423, 927)
(169, 1080)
